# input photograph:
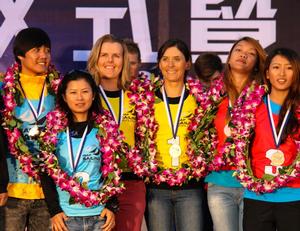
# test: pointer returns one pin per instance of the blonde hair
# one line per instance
(92, 63)
(257, 72)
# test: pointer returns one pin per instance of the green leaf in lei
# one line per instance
(268, 177)
(21, 145)
(232, 152)
(12, 123)
(19, 97)
(101, 132)
(85, 185)
(23, 148)
(110, 176)
(53, 75)
(123, 163)
(157, 100)
(248, 162)
(71, 201)
(194, 145)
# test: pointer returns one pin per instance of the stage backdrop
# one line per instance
(205, 25)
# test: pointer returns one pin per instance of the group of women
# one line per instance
(240, 135)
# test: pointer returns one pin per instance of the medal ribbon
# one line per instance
(229, 106)
(73, 162)
(173, 126)
(277, 137)
(110, 108)
(36, 113)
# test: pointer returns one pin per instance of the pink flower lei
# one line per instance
(141, 157)
(244, 173)
(111, 143)
(235, 150)
(215, 160)
(12, 97)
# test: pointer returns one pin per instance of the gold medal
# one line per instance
(276, 156)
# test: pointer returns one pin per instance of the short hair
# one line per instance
(92, 63)
(206, 65)
(29, 38)
(133, 48)
(74, 75)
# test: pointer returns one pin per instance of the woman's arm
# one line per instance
(51, 197)
(112, 204)
(3, 168)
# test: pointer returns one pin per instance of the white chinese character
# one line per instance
(223, 27)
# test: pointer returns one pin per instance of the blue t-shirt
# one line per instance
(87, 171)
(223, 178)
(24, 113)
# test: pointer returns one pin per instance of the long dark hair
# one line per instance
(73, 75)
(257, 72)
(293, 98)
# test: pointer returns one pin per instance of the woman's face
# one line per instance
(280, 74)
(110, 60)
(173, 65)
(79, 97)
(243, 57)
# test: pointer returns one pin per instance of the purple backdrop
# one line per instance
(74, 25)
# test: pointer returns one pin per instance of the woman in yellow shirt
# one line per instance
(165, 110)
(108, 63)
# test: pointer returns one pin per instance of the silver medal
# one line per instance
(34, 131)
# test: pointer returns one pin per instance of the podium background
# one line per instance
(165, 19)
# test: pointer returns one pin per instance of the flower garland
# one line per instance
(12, 97)
(244, 173)
(217, 159)
(202, 133)
(141, 158)
(204, 137)
(111, 143)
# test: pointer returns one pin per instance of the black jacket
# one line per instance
(3, 163)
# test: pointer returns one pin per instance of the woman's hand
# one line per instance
(3, 198)
(58, 222)
(110, 220)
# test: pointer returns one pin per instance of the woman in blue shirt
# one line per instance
(80, 155)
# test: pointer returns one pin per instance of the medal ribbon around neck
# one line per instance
(277, 137)
(173, 126)
(229, 107)
(110, 108)
(79, 150)
(227, 130)
(38, 112)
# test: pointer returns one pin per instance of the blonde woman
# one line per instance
(109, 65)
